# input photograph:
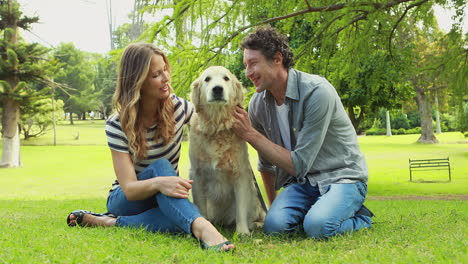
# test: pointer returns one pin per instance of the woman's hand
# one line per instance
(174, 186)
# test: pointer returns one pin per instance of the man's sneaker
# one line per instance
(365, 211)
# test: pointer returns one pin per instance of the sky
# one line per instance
(85, 22)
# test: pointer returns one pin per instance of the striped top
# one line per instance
(117, 140)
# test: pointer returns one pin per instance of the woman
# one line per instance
(145, 139)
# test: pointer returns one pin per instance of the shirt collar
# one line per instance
(292, 89)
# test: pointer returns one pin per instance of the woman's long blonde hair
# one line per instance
(133, 70)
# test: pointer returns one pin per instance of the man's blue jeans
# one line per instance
(159, 213)
(303, 207)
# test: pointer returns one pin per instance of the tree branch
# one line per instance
(318, 36)
(330, 8)
(172, 19)
(355, 19)
(398, 22)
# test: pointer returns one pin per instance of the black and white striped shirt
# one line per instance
(117, 140)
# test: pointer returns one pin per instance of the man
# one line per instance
(305, 141)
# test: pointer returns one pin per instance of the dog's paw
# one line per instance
(242, 231)
(257, 225)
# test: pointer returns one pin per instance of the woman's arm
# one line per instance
(140, 190)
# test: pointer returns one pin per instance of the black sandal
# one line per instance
(79, 214)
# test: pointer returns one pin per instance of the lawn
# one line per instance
(76, 174)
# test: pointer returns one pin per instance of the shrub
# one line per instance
(449, 121)
(399, 121)
(376, 131)
(414, 119)
(416, 130)
(462, 117)
(401, 131)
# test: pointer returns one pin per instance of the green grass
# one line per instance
(387, 158)
(34, 231)
(36, 198)
(89, 132)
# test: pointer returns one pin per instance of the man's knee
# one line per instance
(320, 227)
(275, 223)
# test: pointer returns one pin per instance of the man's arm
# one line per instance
(269, 183)
(272, 152)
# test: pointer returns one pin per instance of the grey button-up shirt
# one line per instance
(323, 140)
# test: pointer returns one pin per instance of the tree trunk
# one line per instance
(355, 121)
(10, 138)
(54, 122)
(438, 129)
(10, 115)
(71, 118)
(427, 129)
(389, 127)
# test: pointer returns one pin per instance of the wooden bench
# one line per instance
(429, 164)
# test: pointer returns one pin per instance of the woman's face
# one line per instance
(156, 85)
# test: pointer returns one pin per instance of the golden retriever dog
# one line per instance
(224, 188)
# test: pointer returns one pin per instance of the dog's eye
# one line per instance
(207, 79)
(226, 78)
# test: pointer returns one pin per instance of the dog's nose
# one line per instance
(218, 92)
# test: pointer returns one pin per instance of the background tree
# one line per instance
(37, 117)
(104, 83)
(440, 69)
(361, 47)
(77, 72)
(21, 65)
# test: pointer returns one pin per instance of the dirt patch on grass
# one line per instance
(462, 197)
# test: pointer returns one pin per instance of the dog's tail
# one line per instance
(259, 193)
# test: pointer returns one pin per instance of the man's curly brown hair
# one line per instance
(269, 41)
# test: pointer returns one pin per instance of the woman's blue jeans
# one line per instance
(319, 215)
(159, 213)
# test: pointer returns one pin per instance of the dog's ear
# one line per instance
(239, 89)
(195, 94)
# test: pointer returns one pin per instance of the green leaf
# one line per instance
(4, 86)
(12, 58)
(21, 86)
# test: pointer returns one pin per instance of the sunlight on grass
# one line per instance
(54, 180)
(83, 167)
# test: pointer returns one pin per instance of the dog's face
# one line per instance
(216, 85)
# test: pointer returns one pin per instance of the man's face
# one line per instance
(259, 70)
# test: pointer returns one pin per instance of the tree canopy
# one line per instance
(364, 48)
(21, 65)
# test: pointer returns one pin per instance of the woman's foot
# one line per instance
(209, 235)
(89, 219)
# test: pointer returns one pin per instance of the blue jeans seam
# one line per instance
(187, 220)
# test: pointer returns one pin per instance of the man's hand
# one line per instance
(275, 154)
(174, 186)
(242, 126)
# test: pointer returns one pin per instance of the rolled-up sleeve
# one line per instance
(318, 110)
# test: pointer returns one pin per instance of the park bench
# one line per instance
(429, 164)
